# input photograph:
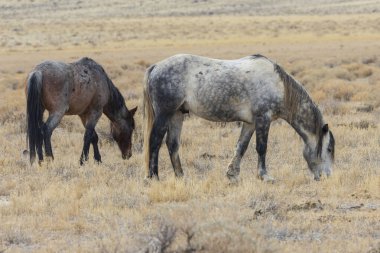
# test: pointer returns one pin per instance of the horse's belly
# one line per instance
(221, 112)
(225, 117)
(79, 105)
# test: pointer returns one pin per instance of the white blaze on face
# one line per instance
(322, 164)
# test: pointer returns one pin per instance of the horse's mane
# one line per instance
(116, 100)
(295, 96)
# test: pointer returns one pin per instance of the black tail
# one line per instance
(34, 114)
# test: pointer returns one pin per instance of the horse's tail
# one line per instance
(34, 113)
(148, 118)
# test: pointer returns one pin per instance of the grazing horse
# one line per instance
(79, 88)
(253, 90)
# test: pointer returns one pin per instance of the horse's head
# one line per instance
(320, 157)
(122, 130)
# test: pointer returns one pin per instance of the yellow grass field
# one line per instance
(332, 48)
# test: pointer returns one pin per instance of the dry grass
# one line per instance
(61, 206)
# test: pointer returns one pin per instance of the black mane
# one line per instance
(116, 100)
(254, 56)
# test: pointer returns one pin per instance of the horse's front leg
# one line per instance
(245, 136)
(86, 144)
(89, 120)
(94, 142)
(262, 131)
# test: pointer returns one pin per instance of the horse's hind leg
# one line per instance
(173, 141)
(160, 126)
(47, 130)
(262, 131)
(245, 136)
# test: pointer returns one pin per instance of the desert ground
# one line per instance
(331, 47)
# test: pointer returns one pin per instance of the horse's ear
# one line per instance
(133, 111)
(325, 128)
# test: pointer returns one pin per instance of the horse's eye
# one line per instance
(329, 150)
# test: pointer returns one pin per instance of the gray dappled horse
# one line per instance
(254, 90)
(79, 88)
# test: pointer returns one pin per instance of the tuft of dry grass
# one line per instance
(169, 190)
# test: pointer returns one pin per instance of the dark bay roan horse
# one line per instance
(79, 88)
(253, 90)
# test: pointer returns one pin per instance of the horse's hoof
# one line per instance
(49, 159)
(317, 176)
(233, 178)
(268, 179)
(179, 174)
(148, 179)
(232, 172)
(25, 154)
(233, 181)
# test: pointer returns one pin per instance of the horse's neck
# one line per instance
(114, 115)
(305, 122)
(115, 108)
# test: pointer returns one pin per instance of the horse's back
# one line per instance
(219, 90)
(73, 87)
